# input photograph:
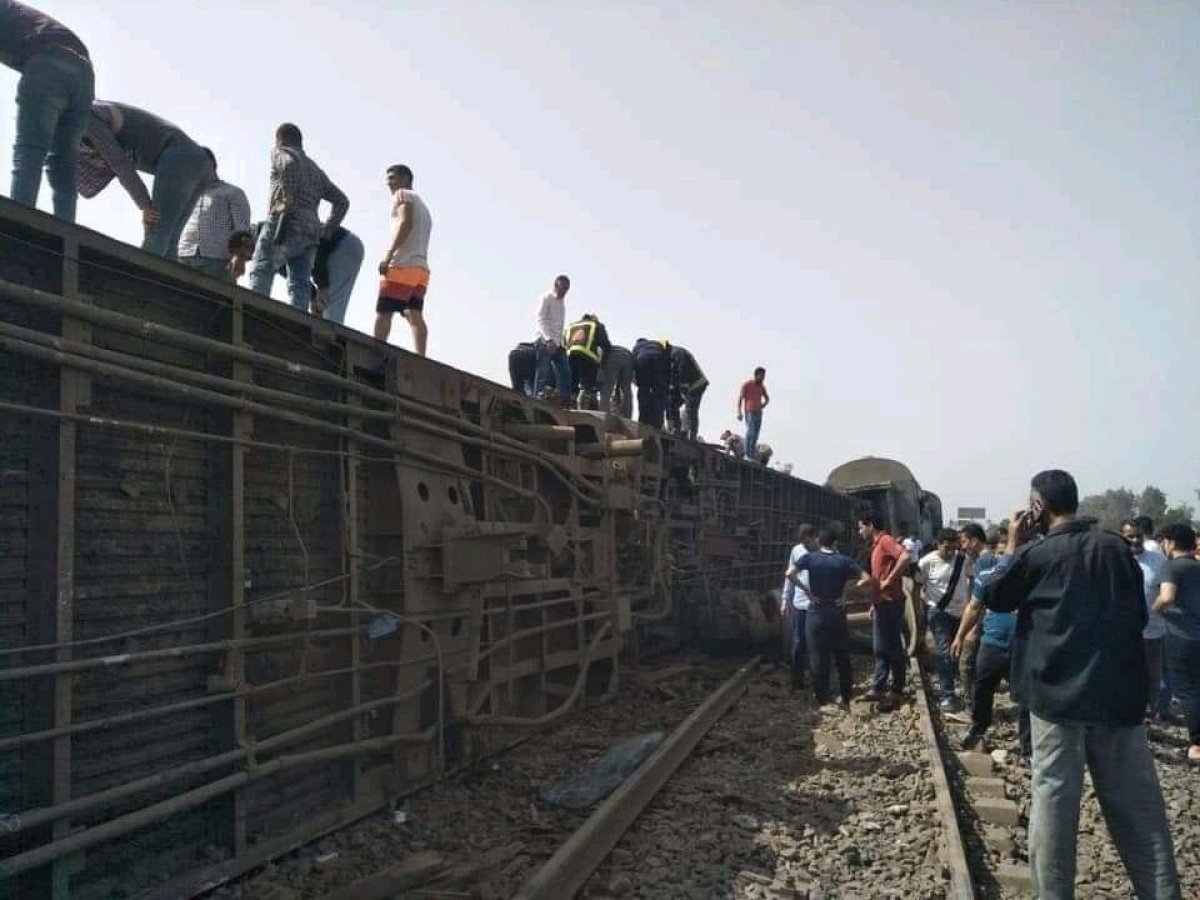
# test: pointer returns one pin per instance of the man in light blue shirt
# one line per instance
(1154, 634)
(794, 599)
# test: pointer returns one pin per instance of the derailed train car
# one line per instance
(889, 489)
(260, 575)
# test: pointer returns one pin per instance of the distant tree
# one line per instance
(1183, 514)
(1110, 507)
(1152, 503)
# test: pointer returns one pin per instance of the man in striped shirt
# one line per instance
(221, 210)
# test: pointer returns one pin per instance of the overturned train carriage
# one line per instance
(259, 575)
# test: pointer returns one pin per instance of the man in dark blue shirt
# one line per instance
(826, 631)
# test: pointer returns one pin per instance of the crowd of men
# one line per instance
(577, 365)
(1096, 633)
(191, 215)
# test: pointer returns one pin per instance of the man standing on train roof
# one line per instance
(888, 564)
(752, 400)
(688, 384)
(404, 269)
(54, 100)
(587, 345)
(652, 373)
(293, 229)
(551, 320)
(616, 380)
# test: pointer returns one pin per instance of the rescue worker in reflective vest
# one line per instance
(652, 373)
(587, 340)
(687, 387)
(522, 362)
(616, 381)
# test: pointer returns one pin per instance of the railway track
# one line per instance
(754, 793)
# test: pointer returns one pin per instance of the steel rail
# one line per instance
(573, 863)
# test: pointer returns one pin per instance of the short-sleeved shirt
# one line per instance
(997, 630)
(1183, 616)
(1152, 564)
(796, 594)
(828, 571)
(754, 394)
(936, 574)
(413, 252)
(884, 554)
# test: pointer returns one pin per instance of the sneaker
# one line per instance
(970, 740)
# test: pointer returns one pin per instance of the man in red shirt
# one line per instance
(888, 562)
(752, 400)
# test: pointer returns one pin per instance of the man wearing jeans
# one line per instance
(946, 576)
(888, 563)
(339, 258)
(1079, 666)
(290, 236)
(825, 624)
(752, 400)
(54, 99)
(551, 320)
(793, 600)
(1152, 563)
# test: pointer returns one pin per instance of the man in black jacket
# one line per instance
(1078, 666)
(688, 383)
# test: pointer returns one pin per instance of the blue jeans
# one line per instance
(799, 643)
(887, 638)
(562, 372)
(829, 640)
(944, 627)
(180, 173)
(753, 427)
(1183, 662)
(344, 263)
(54, 100)
(269, 258)
(1126, 785)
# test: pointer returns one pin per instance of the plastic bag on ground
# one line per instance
(600, 778)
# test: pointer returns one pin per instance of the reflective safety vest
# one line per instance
(581, 339)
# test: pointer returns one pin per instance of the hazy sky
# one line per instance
(957, 234)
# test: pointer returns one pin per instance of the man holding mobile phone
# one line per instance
(1079, 667)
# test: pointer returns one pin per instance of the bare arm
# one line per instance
(766, 397)
(403, 229)
(1165, 598)
(972, 616)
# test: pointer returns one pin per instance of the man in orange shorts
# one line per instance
(404, 270)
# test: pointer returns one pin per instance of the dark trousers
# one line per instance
(799, 657)
(652, 372)
(944, 627)
(991, 666)
(887, 636)
(584, 375)
(1154, 670)
(828, 640)
(689, 400)
(1183, 662)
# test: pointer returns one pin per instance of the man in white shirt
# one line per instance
(946, 575)
(404, 269)
(551, 320)
(1154, 635)
(793, 601)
